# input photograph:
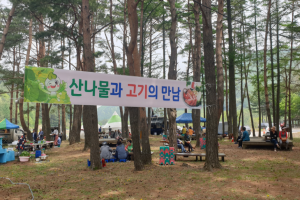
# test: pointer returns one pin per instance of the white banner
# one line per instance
(47, 85)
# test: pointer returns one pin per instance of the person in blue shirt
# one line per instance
(100, 129)
(244, 136)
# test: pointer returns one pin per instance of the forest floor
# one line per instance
(246, 174)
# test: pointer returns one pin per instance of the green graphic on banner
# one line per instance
(42, 85)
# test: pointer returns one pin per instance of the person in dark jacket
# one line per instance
(187, 142)
(34, 136)
(120, 151)
(274, 135)
(244, 136)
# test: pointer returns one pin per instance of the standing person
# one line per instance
(283, 138)
(109, 129)
(34, 136)
(100, 129)
(191, 132)
(244, 136)
(274, 136)
(183, 130)
(41, 134)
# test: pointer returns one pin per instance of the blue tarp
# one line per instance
(5, 124)
(187, 118)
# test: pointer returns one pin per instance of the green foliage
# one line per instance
(25, 154)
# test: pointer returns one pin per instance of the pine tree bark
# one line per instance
(37, 116)
(5, 31)
(63, 121)
(126, 130)
(25, 127)
(232, 95)
(74, 134)
(257, 74)
(12, 86)
(58, 116)
(265, 69)
(219, 60)
(90, 118)
(172, 75)
(212, 160)
(133, 62)
(272, 74)
(278, 69)
(290, 73)
(197, 67)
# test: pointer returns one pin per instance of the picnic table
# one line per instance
(46, 144)
(111, 141)
(259, 141)
(222, 155)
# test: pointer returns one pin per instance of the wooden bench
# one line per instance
(222, 155)
(261, 142)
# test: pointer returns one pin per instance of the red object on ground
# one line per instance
(232, 139)
(103, 163)
(193, 85)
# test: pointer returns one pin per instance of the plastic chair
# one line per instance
(122, 160)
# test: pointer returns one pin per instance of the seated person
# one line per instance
(183, 131)
(240, 133)
(180, 146)
(58, 141)
(274, 135)
(120, 151)
(244, 136)
(187, 142)
(191, 131)
(106, 152)
(129, 148)
(283, 138)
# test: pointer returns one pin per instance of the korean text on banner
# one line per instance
(47, 85)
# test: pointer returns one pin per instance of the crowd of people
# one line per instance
(274, 135)
(121, 152)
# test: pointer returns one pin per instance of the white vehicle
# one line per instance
(11, 135)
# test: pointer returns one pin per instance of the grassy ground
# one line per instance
(246, 174)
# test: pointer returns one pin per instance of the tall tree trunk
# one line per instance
(90, 118)
(17, 86)
(133, 62)
(37, 116)
(5, 31)
(126, 132)
(226, 88)
(265, 69)
(257, 74)
(286, 96)
(112, 39)
(12, 86)
(219, 58)
(74, 134)
(232, 95)
(290, 74)
(124, 38)
(63, 121)
(26, 128)
(141, 37)
(212, 160)
(122, 119)
(272, 74)
(58, 116)
(197, 67)
(278, 69)
(164, 68)
(172, 75)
